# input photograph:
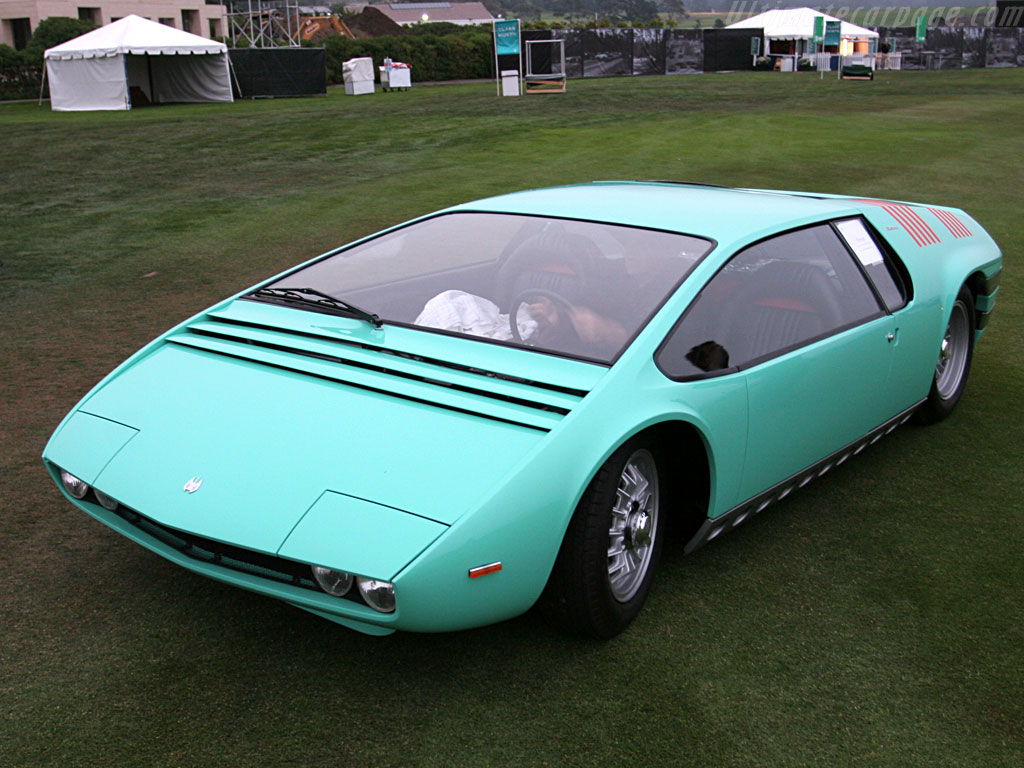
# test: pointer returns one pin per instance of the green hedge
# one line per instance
(19, 74)
(432, 57)
(21, 71)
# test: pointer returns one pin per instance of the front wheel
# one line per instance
(954, 362)
(604, 569)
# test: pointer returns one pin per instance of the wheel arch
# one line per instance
(980, 286)
(685, 463)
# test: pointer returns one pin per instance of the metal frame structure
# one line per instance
(263, 23)
(551, 82)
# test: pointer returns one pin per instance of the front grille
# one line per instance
(225, 555)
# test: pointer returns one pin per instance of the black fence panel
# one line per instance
(607, 52)
(729, 49)
(573, 52)
(912, 53)
(684, 51)
(947, 48)
(265, 72)
(648, 51)
(975, 43)
(1005, 47)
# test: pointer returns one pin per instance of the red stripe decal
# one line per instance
(910, 220)
(901, 215)
(953, 224)
(929, 233)
(956, 228)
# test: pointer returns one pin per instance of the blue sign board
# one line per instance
(506, 36)
(832, 32)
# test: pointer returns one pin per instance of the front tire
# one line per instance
(954, 364)
(611, 549)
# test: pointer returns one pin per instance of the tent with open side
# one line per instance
(134, 58)
(790, 30)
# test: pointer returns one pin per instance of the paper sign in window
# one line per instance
(860, 242)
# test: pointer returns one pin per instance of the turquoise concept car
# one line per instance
(504, 403)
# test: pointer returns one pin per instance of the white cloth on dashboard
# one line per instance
(463, 312)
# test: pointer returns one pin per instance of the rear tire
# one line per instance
(954, 365)
(611, 549)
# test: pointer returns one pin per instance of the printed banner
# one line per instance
(819, 29)
(506, 36)
(832, 29)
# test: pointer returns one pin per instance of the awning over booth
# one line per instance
(135, 57)
(798, 24)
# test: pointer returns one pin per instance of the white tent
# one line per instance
(798, 24)
(102, 69)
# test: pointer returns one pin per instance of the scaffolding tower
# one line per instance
(263, 23)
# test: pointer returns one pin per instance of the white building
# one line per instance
(407, 14)
(19, 18)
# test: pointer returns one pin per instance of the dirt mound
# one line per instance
(372, 23)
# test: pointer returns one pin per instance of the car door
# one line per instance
(795, 317)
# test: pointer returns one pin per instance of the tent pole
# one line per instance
(234, 75)
(42, 84)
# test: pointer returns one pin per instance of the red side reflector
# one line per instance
(483, 570)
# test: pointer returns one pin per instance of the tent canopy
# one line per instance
(797, 24)
(134, 35)
(105, 68)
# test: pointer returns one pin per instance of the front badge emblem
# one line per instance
(193, 485)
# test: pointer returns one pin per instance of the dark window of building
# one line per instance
(190, 21)
(21, 29)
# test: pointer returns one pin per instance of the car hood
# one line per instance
(264, 412)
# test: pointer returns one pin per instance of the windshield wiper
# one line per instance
(311, 297)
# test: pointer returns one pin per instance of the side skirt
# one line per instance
(714, 527)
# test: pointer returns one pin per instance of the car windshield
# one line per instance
(571, 287)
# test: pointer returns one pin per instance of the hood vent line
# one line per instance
(382, 369)
(295, 369)
(397, 353)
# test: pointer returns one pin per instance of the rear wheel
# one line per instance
(608, 557)
(954, 362)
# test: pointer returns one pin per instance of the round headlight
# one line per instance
(379, 595)
(104, 500)
(333, 582)
(73, 485)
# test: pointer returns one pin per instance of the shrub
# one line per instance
(54, 31)
(464, 55)
(19, 74)
(22, 71)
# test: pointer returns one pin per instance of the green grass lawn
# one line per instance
(875, 618)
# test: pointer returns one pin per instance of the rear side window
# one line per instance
(878, 268)
(772, 297)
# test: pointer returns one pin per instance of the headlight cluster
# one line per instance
(73, 485)
(379, 595)
(80, 489)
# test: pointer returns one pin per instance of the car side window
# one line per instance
(879, 269)
(770, 298)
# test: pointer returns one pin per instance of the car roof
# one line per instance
(723, 214)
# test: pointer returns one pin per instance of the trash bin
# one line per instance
(510, 82)
(395, 75)
(358, 75)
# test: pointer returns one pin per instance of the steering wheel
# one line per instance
(562, 336)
